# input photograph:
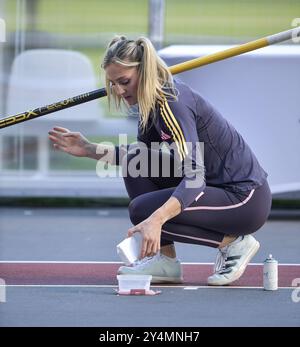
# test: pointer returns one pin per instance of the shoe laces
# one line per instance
(144, 261)
(224, 261)
(220, 263)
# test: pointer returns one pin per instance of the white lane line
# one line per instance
(110, 262)
(57, 262)
(233, 287)
(62, 285)
(250, 264)
(115, 286)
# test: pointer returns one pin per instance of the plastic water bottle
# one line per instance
(270, 273)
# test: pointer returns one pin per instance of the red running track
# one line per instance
(64, 273)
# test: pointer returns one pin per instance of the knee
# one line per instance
(135, 211)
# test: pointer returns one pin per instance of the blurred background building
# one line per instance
(53, 50)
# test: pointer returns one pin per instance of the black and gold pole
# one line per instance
(185, 66)
(57, 106)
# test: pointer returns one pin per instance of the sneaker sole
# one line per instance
(242, 269)
(156, 279)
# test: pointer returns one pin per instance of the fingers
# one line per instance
(70, 134)
(149, 248)
(144, 249)
(53, 135)
(60, 137)
(131, 231)
(56, 141)
(150, 245)
(60, 134)
(153, 248)
(61, 130)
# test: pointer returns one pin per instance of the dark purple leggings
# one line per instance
(206, 221)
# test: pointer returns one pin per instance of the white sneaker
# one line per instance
(232, 260)
(162, 268)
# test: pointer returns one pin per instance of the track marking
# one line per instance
(57, 262)
(92, 274)
(112, 262)
(115, 286)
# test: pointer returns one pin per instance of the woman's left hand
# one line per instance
(150, 229)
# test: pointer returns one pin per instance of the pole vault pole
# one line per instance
(175, 69)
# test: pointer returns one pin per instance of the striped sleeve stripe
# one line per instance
(180, 151)
(177, 126)
(176, 130)
(173, 130)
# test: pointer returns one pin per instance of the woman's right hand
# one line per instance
(73, 143)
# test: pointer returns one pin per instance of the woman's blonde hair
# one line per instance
(155, 81)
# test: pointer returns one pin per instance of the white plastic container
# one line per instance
(129, 249)
(131, 282)
(270, 273)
